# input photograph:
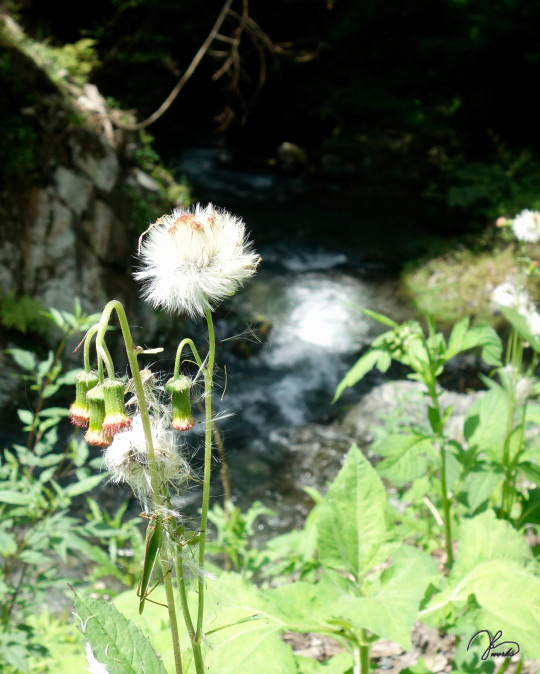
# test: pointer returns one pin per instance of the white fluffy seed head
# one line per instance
(127, 457)
(526, 226)
(507, 295)
(193, 259)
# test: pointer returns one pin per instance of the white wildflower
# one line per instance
(193, 259)
(506, 295)
(94, 667)
(524, 389)
(127, 457)
(526, 226)
(533, 322)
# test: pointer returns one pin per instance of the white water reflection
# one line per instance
(316, 333)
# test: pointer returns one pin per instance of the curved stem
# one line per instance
(208, 381)
(186, 342)
(131, 352)
(87, 344)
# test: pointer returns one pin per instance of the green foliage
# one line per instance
(234, 531)
(496, 565)
(39, 481)
(116, 642)
(24, 314)
(73, 61)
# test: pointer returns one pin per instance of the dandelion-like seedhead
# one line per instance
(526, 226)
(127, 457)
(193, 259)
(507, 295)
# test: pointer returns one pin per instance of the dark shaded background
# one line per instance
(439, 100)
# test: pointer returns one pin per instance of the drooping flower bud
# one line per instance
(178, 388)
(79, 412)
(116, 418)
(95, 434)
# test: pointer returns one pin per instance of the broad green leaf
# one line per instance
(392, 608)
(379, 358)
(478, 485)
(24, 359)
(485, 423)
(15, 497)
(463, 338)
(116, 642)
(83, 486)
(509, 596)
(485, 538)
(247, 647)
(407, 456)
(8, 544)
(26, 417)
(351, 526)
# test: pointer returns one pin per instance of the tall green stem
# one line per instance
(208, 381)
(439, 430)
(131, 352)
(514, 354)
(364, 654)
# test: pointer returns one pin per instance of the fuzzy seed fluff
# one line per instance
(526, 226)
(127, 457)
(193, 259)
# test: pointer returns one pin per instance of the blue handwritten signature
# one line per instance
(494, 643)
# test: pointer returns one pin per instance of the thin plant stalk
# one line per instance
(364, 654)
(208, 382)
(444, 489)
(131, 352)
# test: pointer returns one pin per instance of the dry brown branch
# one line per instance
(188, 73)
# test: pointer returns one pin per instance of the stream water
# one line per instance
(303, 303)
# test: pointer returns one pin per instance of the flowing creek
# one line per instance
(303, 301)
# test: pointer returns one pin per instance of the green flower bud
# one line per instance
(178, 388)
(95, 434)
(116, 418)
(79, 412)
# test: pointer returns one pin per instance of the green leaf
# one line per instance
(116, 642)
(478, 485)
(247, 647)
(26, 417)
(408, 456)
(463, 338)
(485, 423)
(34, 558)
(8, 544)
(24, 359)
(496, 564)
(351, 527)
(381, 318)
(83, 486)
(510, 597)
(392, 610)
(15, 497)
(55, 412)
(379, 358)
